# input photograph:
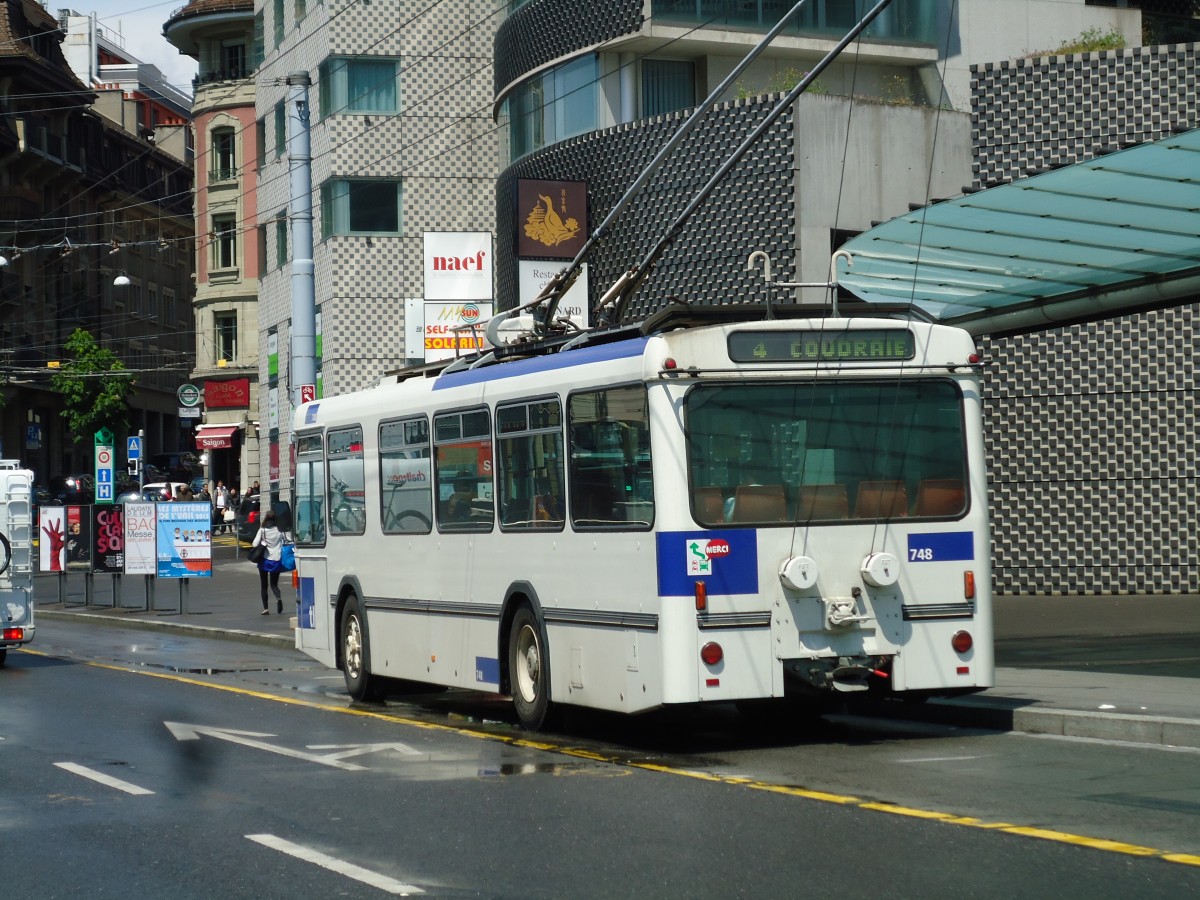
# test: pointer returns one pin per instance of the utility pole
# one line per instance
(303, 368)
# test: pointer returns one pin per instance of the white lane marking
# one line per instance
(341, 867)
(185, 732)
(933, 759)
(103, 779)
(348, 750)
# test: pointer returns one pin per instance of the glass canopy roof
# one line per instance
(1103, 237)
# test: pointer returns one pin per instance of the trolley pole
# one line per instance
(303, 370)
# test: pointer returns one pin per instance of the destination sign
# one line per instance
(866, 345)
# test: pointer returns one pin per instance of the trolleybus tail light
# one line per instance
(969, 585)
(962, 641)
(712, 653)
(975, 359)
(14, 634)
(701, 596)
(669, 363)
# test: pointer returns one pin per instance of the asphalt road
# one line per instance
(270, 783)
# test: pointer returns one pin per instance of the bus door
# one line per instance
(315, 627)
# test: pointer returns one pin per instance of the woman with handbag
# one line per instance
(271, 540)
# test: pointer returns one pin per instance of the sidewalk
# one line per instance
(1126, 707)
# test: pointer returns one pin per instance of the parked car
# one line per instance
(183, 466)
(71, 490)
(249, 516)
(160, 491)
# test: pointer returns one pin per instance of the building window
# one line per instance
(667, 85)
(280, 128)
(152, 301)
(225, 337)
(260, 136)
(260, 40)
(170, 313)
(281, 239)
(301, 10)
(224, 242)
(362, 85)
(554, 106)
(224, 160)
(277, 21)
(360, 207)
(233, 60)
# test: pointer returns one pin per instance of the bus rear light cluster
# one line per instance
(14, 634)
(962, 641)
(969, 585)
(701, 597)
(712, 653)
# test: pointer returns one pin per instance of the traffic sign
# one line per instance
(133, 448)
(308, 393)
(104, 465)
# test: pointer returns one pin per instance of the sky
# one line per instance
(140, 24)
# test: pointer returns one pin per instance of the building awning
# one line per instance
(1104, 237)
(215, 437)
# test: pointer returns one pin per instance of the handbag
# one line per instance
(257, 554)
(228, 515)
(287, 557)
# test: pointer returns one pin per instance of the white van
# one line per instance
(16, 556)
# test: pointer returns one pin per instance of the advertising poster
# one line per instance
(108, 540)
(458, 265)
(79, 537)
(52, 539)
(184, 532)
(445, 337)
(140, 539)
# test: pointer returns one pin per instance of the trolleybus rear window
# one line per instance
(825, 450)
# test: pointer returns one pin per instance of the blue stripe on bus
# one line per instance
(487, 670)
(547, 363)
(308, 603)
(942, 546)
(726, 561)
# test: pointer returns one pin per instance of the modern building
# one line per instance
(95, 230)
(225, 38)
(1091, 476)
(404, 155)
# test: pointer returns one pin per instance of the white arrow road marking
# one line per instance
(348, 750)
(341, 867)
(184, 732)
(103, 779)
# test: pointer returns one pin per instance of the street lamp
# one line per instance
(121, 280)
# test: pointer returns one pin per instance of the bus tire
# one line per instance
(529, 671)
(355, 667)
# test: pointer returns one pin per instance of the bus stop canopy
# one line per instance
(1105, 237)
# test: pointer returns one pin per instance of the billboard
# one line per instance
(184, 532)
(458, 265)
(140, 521)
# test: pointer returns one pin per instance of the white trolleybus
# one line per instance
(722, 512)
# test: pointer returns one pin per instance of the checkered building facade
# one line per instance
(442, 146)
(1091, 429)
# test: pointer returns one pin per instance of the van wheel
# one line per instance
(529, 671)
(359, 682)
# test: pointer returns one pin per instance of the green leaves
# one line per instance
(95, 387)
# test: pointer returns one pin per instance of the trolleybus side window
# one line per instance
(529, 459)
(405, 479)
(347, 483)
(611, 483)
(463, 457)
(310, 490)
(826, 451)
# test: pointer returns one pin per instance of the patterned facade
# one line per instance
(1092, 431)
(439, 144)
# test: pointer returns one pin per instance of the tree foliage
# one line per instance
(94, 386)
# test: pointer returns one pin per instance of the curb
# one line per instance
(1000, 713)
(229, 634)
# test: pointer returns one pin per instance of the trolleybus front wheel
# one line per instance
(359, 683)
(529, 671)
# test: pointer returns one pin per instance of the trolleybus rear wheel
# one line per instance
(359, 683)
(529, 670)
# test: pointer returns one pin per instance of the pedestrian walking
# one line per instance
(271, 539)
(220, 504)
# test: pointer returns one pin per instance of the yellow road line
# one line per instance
(1044, 834)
